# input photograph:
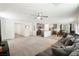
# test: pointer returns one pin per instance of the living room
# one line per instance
(30, 29)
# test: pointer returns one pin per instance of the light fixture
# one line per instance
(38, 17)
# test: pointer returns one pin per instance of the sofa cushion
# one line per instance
(75, 53)
(47, 52)
(63, 51)
(59, 52)
(68, 43)
(76, 40)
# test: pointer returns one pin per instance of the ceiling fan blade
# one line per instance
(44, 16)
(39, 15)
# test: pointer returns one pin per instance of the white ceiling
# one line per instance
(27, 11)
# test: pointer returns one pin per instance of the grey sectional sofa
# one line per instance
(66, 46)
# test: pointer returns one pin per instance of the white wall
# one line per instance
(24, 28)
(7, 29)
(18, 28)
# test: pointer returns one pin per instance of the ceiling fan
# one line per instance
(40, 15)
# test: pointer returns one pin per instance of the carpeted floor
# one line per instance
(30, 46)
